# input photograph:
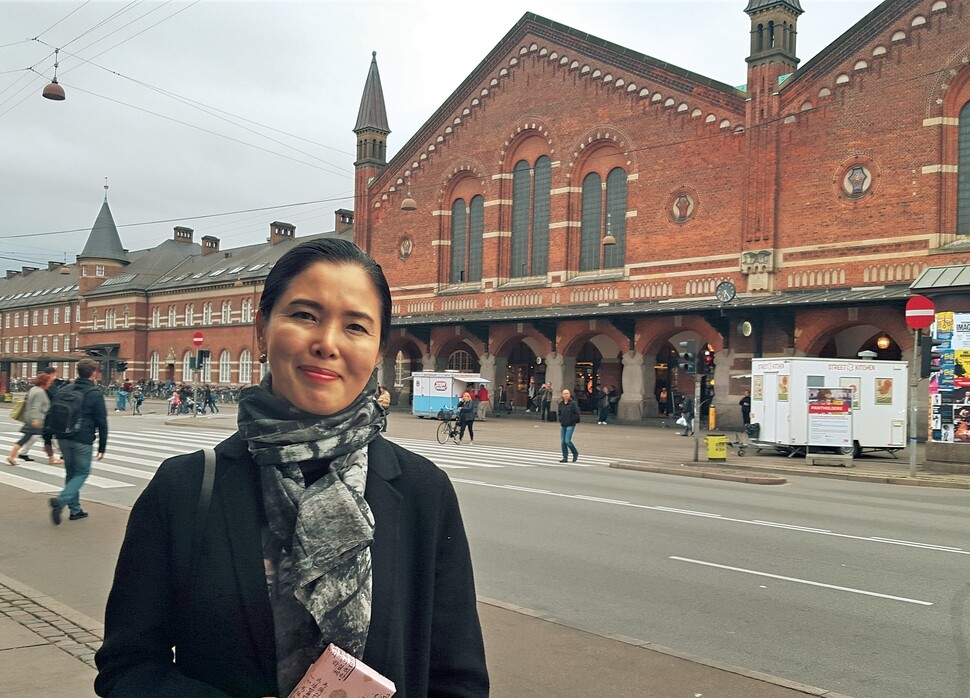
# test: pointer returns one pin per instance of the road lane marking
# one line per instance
(729, 519)
(796, 580)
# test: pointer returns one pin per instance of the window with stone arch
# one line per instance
(603, 212)
(245, 366)
(225, 367)
(171, 316)
(531, 194)
(226, 312)
(189, 315)
(187, 367)
(467, 229)
(207, 313)
(461, 360)
(963, 172)
(247, 310)
(153, 366)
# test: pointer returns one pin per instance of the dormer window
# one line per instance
(99, 270)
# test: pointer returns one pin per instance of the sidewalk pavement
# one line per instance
(54, 581)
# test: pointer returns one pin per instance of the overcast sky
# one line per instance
(147, 83)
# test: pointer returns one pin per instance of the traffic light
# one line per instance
(122, 366)
(929, 356)
(687, 359)
(202, 359)
(708, 364)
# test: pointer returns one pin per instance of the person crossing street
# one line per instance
(568, 419)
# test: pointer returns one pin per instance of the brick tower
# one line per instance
(372, 131)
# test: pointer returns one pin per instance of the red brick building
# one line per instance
(820, 191)
(569, 212)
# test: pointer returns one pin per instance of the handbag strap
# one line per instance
(202, 509)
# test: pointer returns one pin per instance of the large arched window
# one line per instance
(963, 173)
(187, 367)
(589, 231)
(531, 189)
(467, 228)
(595, 225)
(225, 367)
(245, 367)
(614, 255)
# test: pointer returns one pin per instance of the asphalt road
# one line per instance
(860, 588)
(849, 586)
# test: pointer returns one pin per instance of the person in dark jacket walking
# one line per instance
(568, 419)
(76, 448)
(466, 417)
(603, 404)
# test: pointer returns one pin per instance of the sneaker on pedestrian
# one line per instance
(56, 509)
(80, 514)
(563, 461)
(575, 457)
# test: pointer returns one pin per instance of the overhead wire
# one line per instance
(61, 19)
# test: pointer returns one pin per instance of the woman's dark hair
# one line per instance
(332, 251)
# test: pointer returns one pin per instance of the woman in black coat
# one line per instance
(319, 531)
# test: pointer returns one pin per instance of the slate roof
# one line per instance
(372, 113)
(104, 242)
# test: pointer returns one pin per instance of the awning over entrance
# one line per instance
(952, 278)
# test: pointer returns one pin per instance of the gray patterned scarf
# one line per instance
(318, 536)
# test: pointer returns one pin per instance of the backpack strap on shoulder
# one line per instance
(202, 509)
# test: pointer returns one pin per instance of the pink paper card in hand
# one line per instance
(337, 674)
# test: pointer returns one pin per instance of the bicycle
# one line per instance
(448, 430)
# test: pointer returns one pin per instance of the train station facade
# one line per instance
(577, 213)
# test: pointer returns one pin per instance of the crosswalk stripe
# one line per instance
(58, 471)
(27, 484)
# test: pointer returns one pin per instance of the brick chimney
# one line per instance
(183, 234)
(210, 244)
(278, 232)
(343, 220)
(51, 266)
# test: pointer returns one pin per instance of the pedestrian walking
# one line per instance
(466, 417)
(319, 529)
(568, 419)
(35, 409)
(138, 400)
(384, 402)
(121, 399)
(687, 413)
(483, 406)
(603, 404)
(745, 403)
(76, 413)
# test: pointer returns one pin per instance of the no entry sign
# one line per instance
(920, 312)
(197, 339)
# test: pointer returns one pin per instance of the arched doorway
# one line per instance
(523, 375)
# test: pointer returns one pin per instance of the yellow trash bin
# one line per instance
(716, 446)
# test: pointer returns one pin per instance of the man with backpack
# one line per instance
(76, 412)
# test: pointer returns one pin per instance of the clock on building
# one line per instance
(745, 328)
(725, 292)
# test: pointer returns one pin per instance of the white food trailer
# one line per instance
(780, 394)
(434, 390)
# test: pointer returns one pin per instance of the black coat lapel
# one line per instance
(385, 503)
(238, 487)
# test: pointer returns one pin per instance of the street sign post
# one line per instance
(920, 313)
(197, 339)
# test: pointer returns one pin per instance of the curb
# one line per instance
(690, 471)
(660, 649)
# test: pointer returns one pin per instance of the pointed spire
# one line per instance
(372, 114)
(104, 241)
(755, 5)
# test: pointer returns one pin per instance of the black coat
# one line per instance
(424, 634)
(568, 413)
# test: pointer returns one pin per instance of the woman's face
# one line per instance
(322, 339)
